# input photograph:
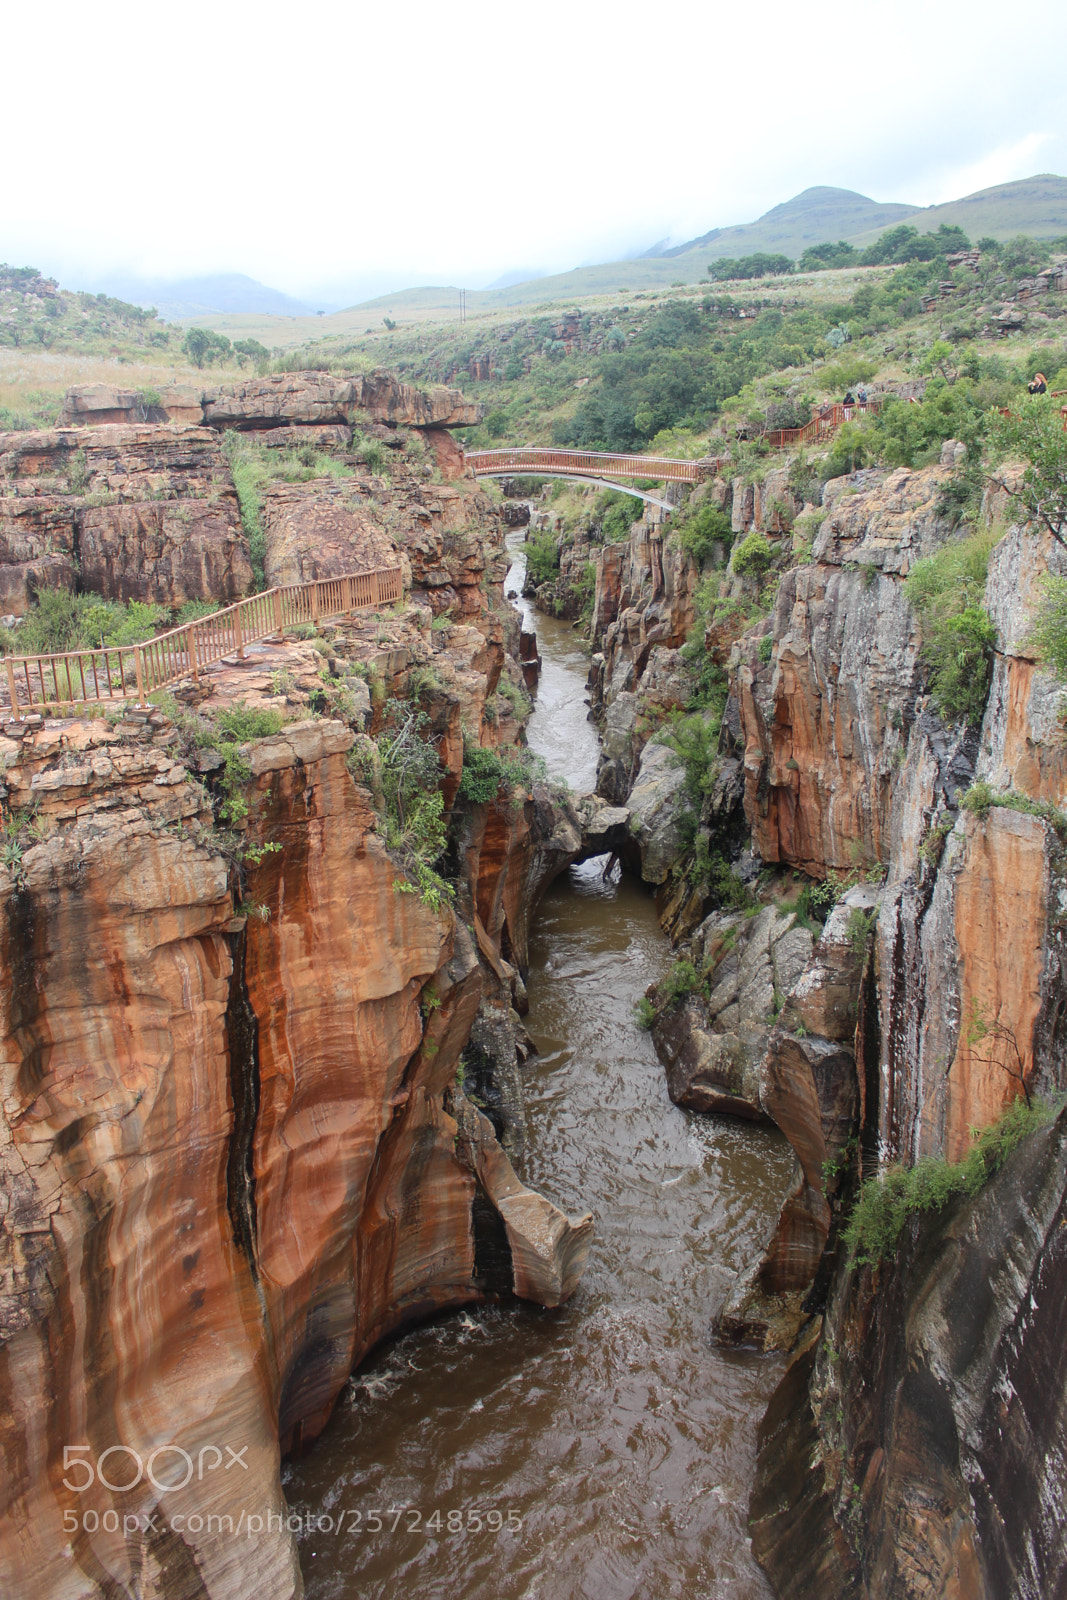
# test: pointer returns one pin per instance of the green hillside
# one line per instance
(1036, 206)
(809, 218)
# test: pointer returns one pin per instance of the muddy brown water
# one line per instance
(604, 1450)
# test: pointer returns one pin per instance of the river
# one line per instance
(613, 1430)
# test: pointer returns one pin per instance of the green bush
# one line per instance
(758, 265)
(959, 638)
(906, 435)
(694, 739)
(242, 724)
(374, 455)
(248, 472)
(542, 558)
(403, 774)
(888, 1200)
(753, 557)
(1036, 432)
(700, 533)
(59, 621)
(681, 981)
(981, 798)
(714, 875)
(617, 513)
(1049, 633)
(486, 772)
(644, 1013)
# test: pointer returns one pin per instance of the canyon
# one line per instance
(268, 1105)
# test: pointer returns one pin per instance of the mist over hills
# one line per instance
(178, 299)
(1035, 205)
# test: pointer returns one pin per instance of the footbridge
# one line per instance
(592, 467)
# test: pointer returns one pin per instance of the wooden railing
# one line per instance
(89, 677)
(819, 427)
(585, 463)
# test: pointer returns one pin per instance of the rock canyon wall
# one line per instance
(236, 1147)
(933, 994)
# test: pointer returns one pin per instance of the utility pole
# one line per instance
(463, 305)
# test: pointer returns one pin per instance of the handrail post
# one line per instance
(278, 613)
(190, 650)
(138, 667)
(12, 690)
(238, 635)
(315, 601)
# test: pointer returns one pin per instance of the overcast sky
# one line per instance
(331, 149)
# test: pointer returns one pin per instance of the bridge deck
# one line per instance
(585, 463)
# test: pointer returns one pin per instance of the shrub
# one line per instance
(1049, 633)
(248, 473)
(960, 654)
(374, 456)
(959, 638)
(981, 798)
(889, 1199)
(1036, 432)
(861, 925)
(758, 265)
(753, 557)
(242, 724)
(694, 740)
(403, 774)
(681, 981)
(542, 558)
(712, 873)
(617, 513)
(700, 533)
(485, 772)
(59, 621)
(644, 1013)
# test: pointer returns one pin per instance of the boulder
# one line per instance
(657, 806)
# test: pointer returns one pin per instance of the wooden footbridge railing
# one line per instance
(584, 463)
(820, 426)
(90, 677)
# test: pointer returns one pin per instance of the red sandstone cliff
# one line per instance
(234, 1154)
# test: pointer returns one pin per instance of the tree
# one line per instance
(758, 265)
(1036, 433)
(817, 257)
(250, 350)
(202, 346)
(941, 358)
(196, 344)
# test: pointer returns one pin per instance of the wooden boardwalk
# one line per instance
(114, 674)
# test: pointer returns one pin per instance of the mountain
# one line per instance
(1037, 206)
(222, 292)
(508, 280)
(809, 218)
